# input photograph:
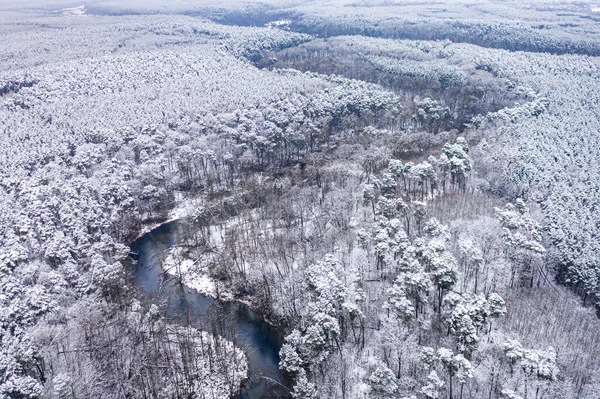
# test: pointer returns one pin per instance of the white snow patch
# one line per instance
(185, 206)
(76, 11)
(193, 275)
(278, 24)
(217, 379)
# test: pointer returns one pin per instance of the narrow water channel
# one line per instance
(234, 320)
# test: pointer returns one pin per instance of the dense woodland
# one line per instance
(407, 191)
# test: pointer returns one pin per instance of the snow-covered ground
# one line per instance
(193, 274)
(279, 24)
(78, 11)
(217, 378)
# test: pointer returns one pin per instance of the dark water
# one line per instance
(233, 320)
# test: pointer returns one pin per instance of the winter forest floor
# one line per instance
(407, 190)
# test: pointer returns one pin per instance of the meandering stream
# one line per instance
(234, 320)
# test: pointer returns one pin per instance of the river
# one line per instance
(234, 320)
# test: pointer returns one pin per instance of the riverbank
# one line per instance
(194, 273)
(232, 320)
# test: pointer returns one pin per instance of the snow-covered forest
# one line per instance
(338, 199)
